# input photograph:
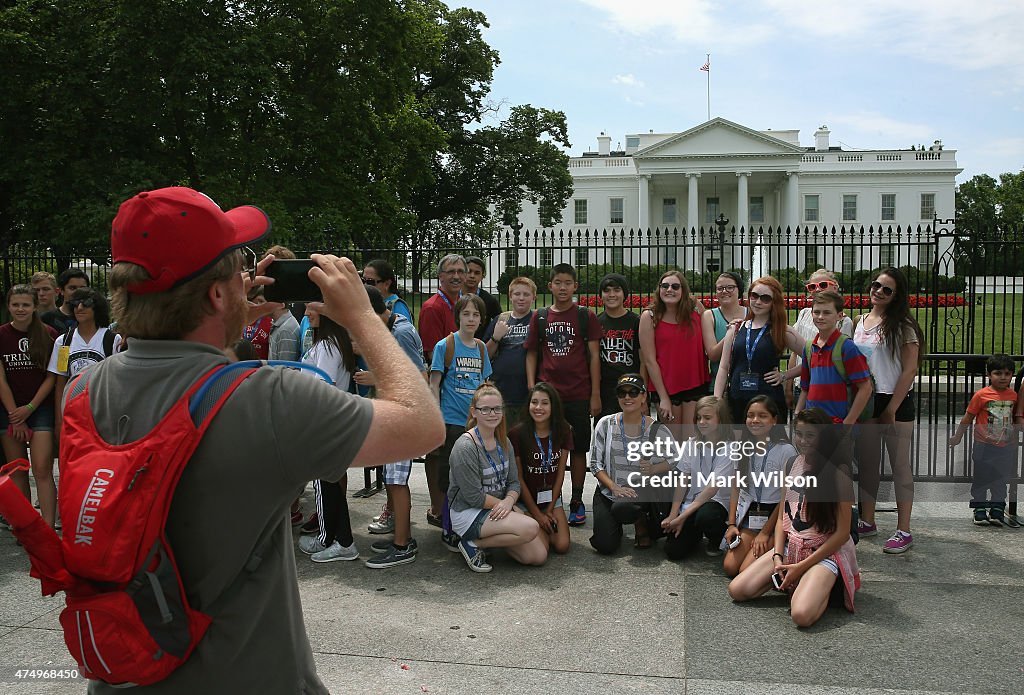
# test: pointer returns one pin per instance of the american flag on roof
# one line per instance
(706, 67)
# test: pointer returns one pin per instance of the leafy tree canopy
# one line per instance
(353, 123)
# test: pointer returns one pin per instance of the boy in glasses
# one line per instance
(563, 349)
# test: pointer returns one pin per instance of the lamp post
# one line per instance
(721, 222)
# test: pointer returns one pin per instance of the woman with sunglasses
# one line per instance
(619, 471)
(891, 340)
(752, 351)
(81, 347)
(672, 347)
(821, 279)
(484, 489)
(715, 323)
(26, 390)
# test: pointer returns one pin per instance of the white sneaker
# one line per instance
(335, 552)
(311, 544)
(385, 523)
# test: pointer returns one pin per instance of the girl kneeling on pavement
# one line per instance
(700, 508)
(753, 507)
(814, 557)
(542, 443)
(484, 489)
(617, 500)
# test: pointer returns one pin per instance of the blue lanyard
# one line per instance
(622, 430)
(446, 300)
(750, 350)
(764, 467)
(490, 461)
(547, 464)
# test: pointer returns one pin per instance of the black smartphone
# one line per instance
(291, 282)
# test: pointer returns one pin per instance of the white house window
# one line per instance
(811, 257)
(617, 255)
(615, 217)
(579, 211)
(757, 209)
(887, 255)
(510, 259)
(547, 256)
(811, 208)
(668, 210)
(581, 257)
(927, 206)
(632, 141)
(849, 258)
(888, 207)
(712, 210)
(926, 257)
(850, 208)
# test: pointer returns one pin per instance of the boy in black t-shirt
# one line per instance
(620, 341)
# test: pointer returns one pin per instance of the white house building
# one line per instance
(678, 183)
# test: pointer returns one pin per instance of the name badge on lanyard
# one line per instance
(750, 380)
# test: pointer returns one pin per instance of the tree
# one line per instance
(990, 225)
(353, 123)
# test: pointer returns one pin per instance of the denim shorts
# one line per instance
(473, 532)
(41, 419)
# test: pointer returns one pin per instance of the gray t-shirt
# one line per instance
(279, 430)
(284, 338)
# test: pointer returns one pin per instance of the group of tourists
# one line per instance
(532, 396)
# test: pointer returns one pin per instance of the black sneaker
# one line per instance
(383, 545)
(393, 556)
(996, 518)
(980, 516)
(1012, 521)
(312, 525)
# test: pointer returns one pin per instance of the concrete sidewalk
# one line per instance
(943, 617)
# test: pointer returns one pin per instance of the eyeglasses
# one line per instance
(763, 298)
(249, 261)
(87, 303)
(823, 285)
(628, 393)
(488, 410)
(876, 286)
(670, 286)
(726, 289)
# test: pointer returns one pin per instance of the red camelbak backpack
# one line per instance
(127, 620)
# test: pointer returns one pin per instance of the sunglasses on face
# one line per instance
(763, 298)
(487, 410)
(670, 286)
(87, 303)
(823, 285)
(627, 393)
(877, 286)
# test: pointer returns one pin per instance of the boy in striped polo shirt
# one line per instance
(826, 388)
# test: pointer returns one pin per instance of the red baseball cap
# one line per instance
(177, 233)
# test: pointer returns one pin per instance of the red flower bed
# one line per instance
(860, 301)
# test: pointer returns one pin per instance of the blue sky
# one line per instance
(880, 74)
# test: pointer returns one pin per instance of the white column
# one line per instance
(742, 202)
(644, 220)
(792, 199)
(692, 202)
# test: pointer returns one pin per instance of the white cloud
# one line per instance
(629, 80)
(894, 132)
(961, 35)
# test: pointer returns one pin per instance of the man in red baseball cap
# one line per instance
(179, 294)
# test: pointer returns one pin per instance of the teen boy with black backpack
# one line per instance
(563, 349)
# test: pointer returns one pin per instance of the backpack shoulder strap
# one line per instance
(391, 322)
(483, 351)
(837, 357)
(108, 343)
(583, 321)
(208, 399)
(449, 354)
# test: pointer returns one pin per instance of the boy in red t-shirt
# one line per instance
(995, 443)
(569, 359)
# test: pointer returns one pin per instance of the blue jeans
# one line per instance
(993, 468)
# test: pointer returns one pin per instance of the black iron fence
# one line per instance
(967, 288)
